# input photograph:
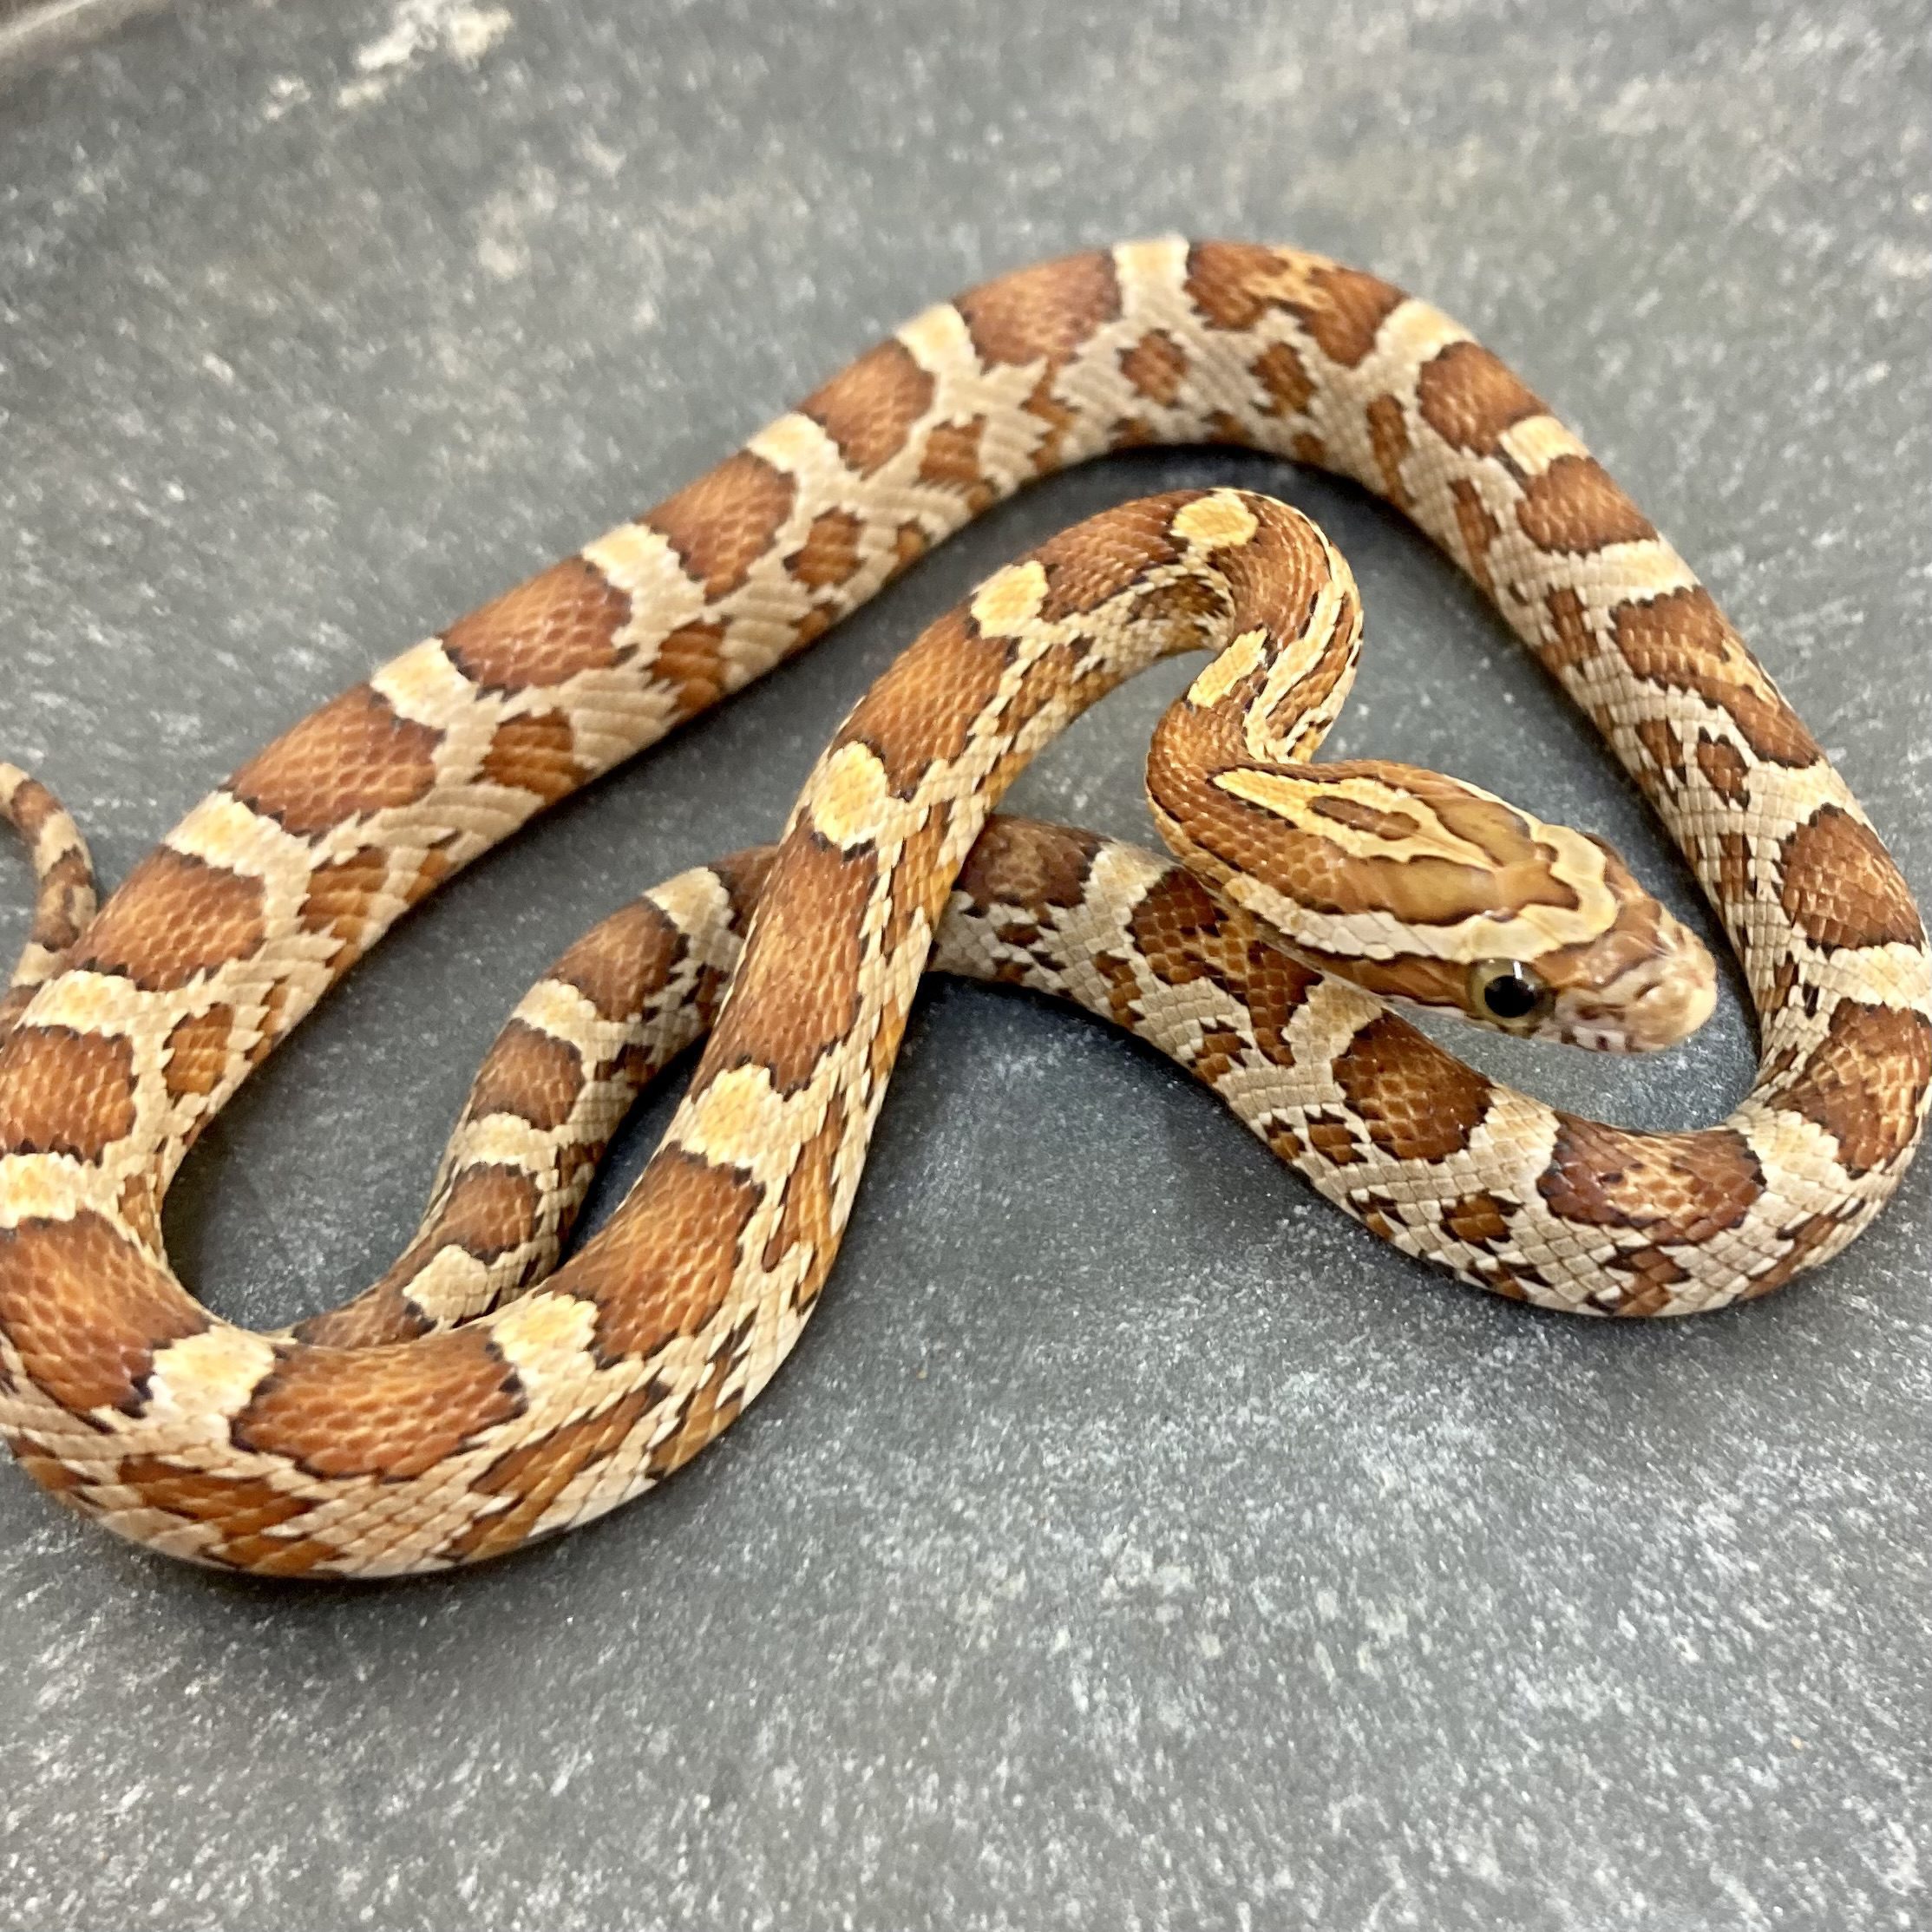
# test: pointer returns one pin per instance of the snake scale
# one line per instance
(483, 1394)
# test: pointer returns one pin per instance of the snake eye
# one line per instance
(1508, 990)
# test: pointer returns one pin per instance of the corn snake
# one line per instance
(474, 1398)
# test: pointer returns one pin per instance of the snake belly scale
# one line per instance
(482, 1394)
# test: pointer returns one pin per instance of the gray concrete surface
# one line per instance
(1132, 1543)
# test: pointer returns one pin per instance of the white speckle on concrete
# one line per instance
(453, 28)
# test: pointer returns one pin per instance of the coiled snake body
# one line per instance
(480, 1395)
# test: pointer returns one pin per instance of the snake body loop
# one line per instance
(481, 1394)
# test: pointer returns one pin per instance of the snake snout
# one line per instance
(1654, 1001)
(1677, 994)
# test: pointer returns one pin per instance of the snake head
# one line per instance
(1419, 887)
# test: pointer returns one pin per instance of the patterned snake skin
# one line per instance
(480, 1395)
